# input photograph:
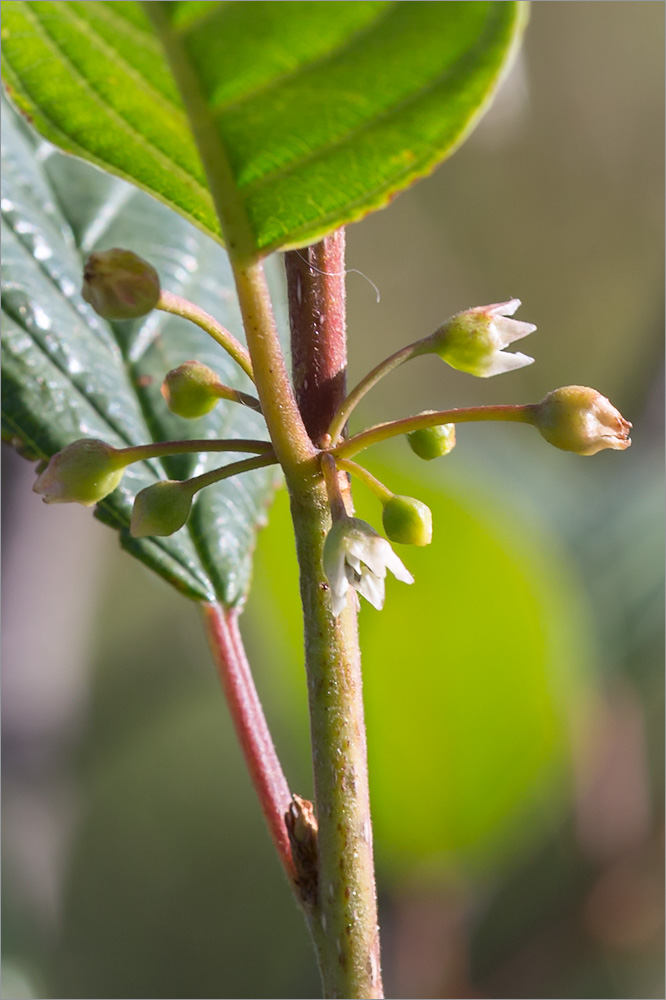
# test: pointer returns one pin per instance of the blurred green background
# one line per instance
(514, 694)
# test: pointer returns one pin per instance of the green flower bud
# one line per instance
(120, 285)
(473, 341)
(432, 442)
(191, 390)
(576, 418)
(161, 509)
(407, 521)
(84, 472)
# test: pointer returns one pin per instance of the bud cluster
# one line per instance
(120, 285)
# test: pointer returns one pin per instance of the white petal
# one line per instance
(503, 308)
(371, 550)
(352, 561)
(512, 329)
(399, 570)
(504, 362)
(372, 588)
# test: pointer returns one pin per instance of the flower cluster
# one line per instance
(120, 285)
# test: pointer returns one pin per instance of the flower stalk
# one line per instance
(178, 306)
(523, 414)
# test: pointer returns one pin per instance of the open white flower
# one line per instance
(355, 555)
(473, 341)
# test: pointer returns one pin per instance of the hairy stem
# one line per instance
(290, 439)
(343, 917)
(250, 723)
(316, 287)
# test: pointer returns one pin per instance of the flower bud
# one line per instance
(407, 521)
(84, 472)
(120, 285)
(190, 390)
(473, 341)
(577, 418)
(432, 442)
(161, 509)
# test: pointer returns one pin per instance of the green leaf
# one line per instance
(308, 115)
(68, 374)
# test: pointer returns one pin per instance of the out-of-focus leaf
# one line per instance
(472, 676)
(68, 374)
(314, 113)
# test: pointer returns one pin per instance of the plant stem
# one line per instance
(371, 379)
(382, 432)
(293, 447)
(233, 469)
(250, 723)
(343, 919)
(316, 288)
(178, 306)
(160, 449)
(382, 492)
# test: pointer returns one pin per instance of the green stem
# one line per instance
(371, 379)
(233, 469)
(160, 449)
(178, 306)
(293, 447)
(343, 921)
(382, 492)
(236, 396)
(343, 916)
(382, 432)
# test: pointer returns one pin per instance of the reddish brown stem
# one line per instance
(251, 727)
(316, 285)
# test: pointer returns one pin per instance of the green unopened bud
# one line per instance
(473, 341)
(118, 284)
(577, 418)
(161, 509)
(191, 390)
(407, 521)
(84, 472)
(432, 442)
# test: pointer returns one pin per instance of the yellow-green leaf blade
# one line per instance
(321, 111)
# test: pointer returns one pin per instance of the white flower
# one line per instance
(473, 341)
(354, 554)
